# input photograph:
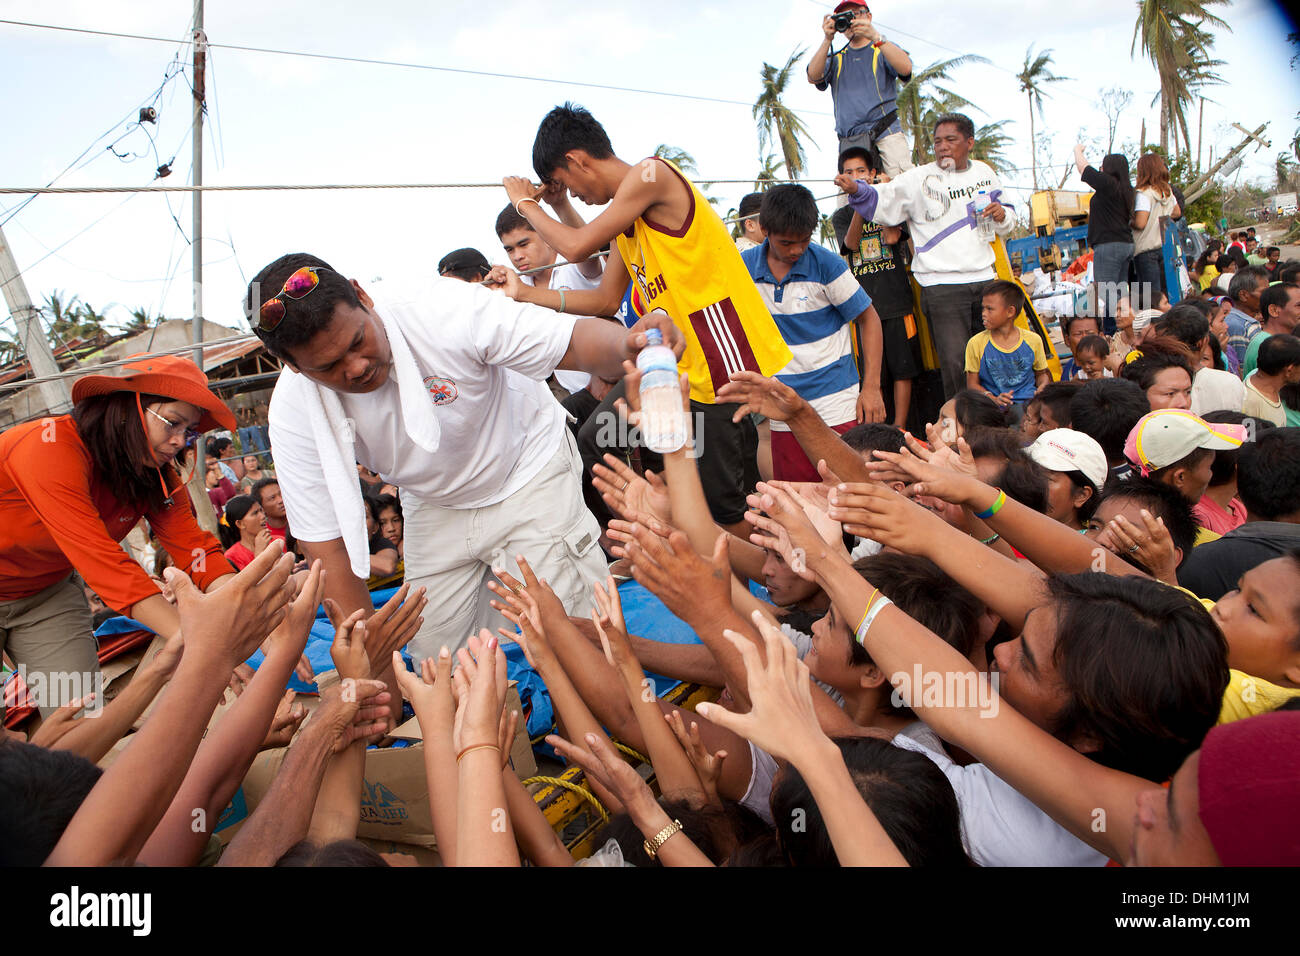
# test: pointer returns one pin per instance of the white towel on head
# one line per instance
(332, 432)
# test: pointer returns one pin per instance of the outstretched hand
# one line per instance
(348, 650)
(875, 511)
(758, 395)
(549, 606)
(939, 474)
(786, 528)
(236, 619)
(625, 492)
(393, 625)
(603, 764)
(429, 691)
(708, 766)
(481, 678)
(671, 569)
(781, 719)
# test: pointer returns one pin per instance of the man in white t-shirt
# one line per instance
(442, 394)
(527, 250)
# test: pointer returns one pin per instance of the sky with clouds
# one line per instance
(280, 119)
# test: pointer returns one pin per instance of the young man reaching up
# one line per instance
(681, 259)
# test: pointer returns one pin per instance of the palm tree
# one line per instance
(990, 141)
(915, 100)
(678, 157)
(768, 171)
(826, 232)
(776, 121)
(934, 107)
(686, 163)
(1172, 39)
(1285, 171)
(1032, 79)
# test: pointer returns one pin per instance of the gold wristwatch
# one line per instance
(652, 846)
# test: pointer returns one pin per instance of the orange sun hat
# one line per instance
(170, 375)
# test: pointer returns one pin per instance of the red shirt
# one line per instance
(239, 556)
(56, 514)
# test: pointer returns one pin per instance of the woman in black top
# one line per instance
(1110, 230)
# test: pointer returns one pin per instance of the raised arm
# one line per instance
(780, 402)
(1064, 783)
(122, 809)
(481, 839)
(227, 752)
(782, 721)
(283, 817)
(817, 61)
(635, 195)
(673, 768)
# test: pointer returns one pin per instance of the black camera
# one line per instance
(843, 21)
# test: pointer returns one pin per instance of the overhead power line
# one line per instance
(373, 61)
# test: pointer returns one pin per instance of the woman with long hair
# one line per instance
(243, 530)
(1206, 268)
(72, 486)
(1110, 233)
(1154, 203)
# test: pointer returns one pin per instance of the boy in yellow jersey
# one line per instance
(680, 258)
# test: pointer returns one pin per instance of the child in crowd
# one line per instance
(1049, 409)
(1006, 362)
(1090, 358)
(1074, 328)
(878, 259)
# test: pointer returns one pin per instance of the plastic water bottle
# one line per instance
(983, 224)
(663, 423)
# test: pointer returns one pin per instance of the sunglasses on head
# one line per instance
(298, 286)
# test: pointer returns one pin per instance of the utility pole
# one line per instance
(198, 490)
(1202, 184)
(56, 396)
(196, 245)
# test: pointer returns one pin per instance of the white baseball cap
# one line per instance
(1064, 449)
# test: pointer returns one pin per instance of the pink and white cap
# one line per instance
(1169, 435)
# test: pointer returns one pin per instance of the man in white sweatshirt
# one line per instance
(952, 264)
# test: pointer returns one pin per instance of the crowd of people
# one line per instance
(1076, 597)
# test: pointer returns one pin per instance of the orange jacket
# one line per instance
(56, 515)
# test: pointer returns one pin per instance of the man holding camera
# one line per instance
(863, 78)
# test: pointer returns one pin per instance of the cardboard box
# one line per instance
(395, 791)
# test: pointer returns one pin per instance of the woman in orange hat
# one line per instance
(72, 486)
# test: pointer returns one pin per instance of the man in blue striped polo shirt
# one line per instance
(820, 311)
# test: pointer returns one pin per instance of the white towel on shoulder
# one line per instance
(332, 431)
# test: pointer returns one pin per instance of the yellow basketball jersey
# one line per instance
(696, 275)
